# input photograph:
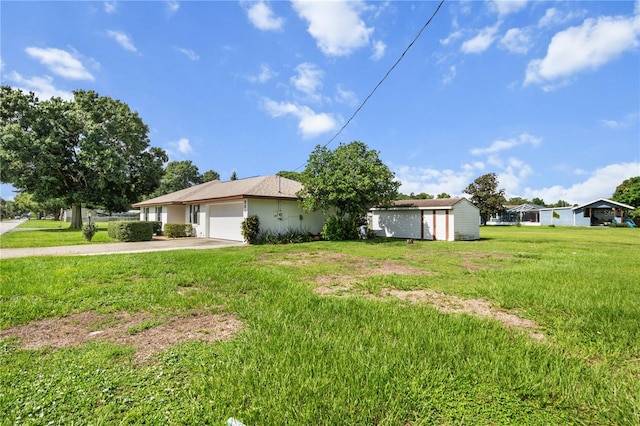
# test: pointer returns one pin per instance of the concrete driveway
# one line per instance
(8, 225)
(157, 244)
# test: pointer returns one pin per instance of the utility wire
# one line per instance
(383, 78)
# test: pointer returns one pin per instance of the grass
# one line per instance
(303, 358)
(48, 233)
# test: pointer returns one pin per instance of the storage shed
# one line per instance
(446, 219)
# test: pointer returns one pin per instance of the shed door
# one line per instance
(225, 221)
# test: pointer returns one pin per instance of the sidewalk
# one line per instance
(157, 244)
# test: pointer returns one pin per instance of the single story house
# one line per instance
(598, 212)
(217, 209)
(524, 214)
(446, 219)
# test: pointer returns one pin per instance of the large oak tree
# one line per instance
(92, 150)
(486, 196)
(346, 182)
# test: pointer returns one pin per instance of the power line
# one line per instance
(383, 78)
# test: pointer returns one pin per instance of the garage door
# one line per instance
(225, 221)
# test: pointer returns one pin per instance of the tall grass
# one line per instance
(303, 358)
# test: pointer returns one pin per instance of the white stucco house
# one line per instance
(446, 219)
(216, 209)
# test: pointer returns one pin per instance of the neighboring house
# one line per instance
(101, 215)
(525, 214)
(448, 219)
(598, 212)
(217, 209)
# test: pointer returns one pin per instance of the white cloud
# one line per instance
(433, 181)
(110, 6)
(482, 41)
(623, 122)
(42, 86)
(506, 7)
(172, 7)
(553, 17)
(188, 53)
(451, 37)
(378, 50)
(585, 47)
(344, 96)
(182, 146)
(263, 18)
(308, 79)
(516, 40)
(450, 75)
(310, 123)
(335, 25)
(502, 145)
(600, 183)
(123, 40)
(266, 74)
(60, 62)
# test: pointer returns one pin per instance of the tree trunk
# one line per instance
(76, 216)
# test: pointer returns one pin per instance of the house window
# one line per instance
(145, 214)
(159, 213)
(193, 213)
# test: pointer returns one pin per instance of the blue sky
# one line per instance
(544, 94)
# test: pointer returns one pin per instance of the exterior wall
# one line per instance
(280, 215)
(396, 223)
(466, 221)
(567, 217)
(174, 214)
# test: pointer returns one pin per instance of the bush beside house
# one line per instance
(131, 231)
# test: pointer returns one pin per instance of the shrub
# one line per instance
(130, 230)
(178, 230)
(290, 236)
(157, 227)
(89, 230)
(250, 229)
(340, 229)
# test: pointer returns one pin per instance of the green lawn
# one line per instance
(49, 233)
(324, 339)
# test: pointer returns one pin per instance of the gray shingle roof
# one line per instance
(262, 187)
(430, 203)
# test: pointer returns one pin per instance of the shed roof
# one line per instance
(272, 186)
(434, 203)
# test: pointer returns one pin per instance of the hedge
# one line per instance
(178, 230)
(131, 230)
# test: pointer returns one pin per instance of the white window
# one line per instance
(194, 211)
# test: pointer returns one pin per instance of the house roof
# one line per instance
(434, 203)
(525, 208)
(602, 203)
(272, 186)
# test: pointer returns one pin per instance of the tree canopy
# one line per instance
(92, 150)
(210, 175)
(486, 196)
(628, 192)
(178, 175)
(346, 181)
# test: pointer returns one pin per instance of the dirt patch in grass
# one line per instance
(147, 334)
(358, 267)
(475, 261)
(445, 303)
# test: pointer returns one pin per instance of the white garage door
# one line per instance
(225, 221)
